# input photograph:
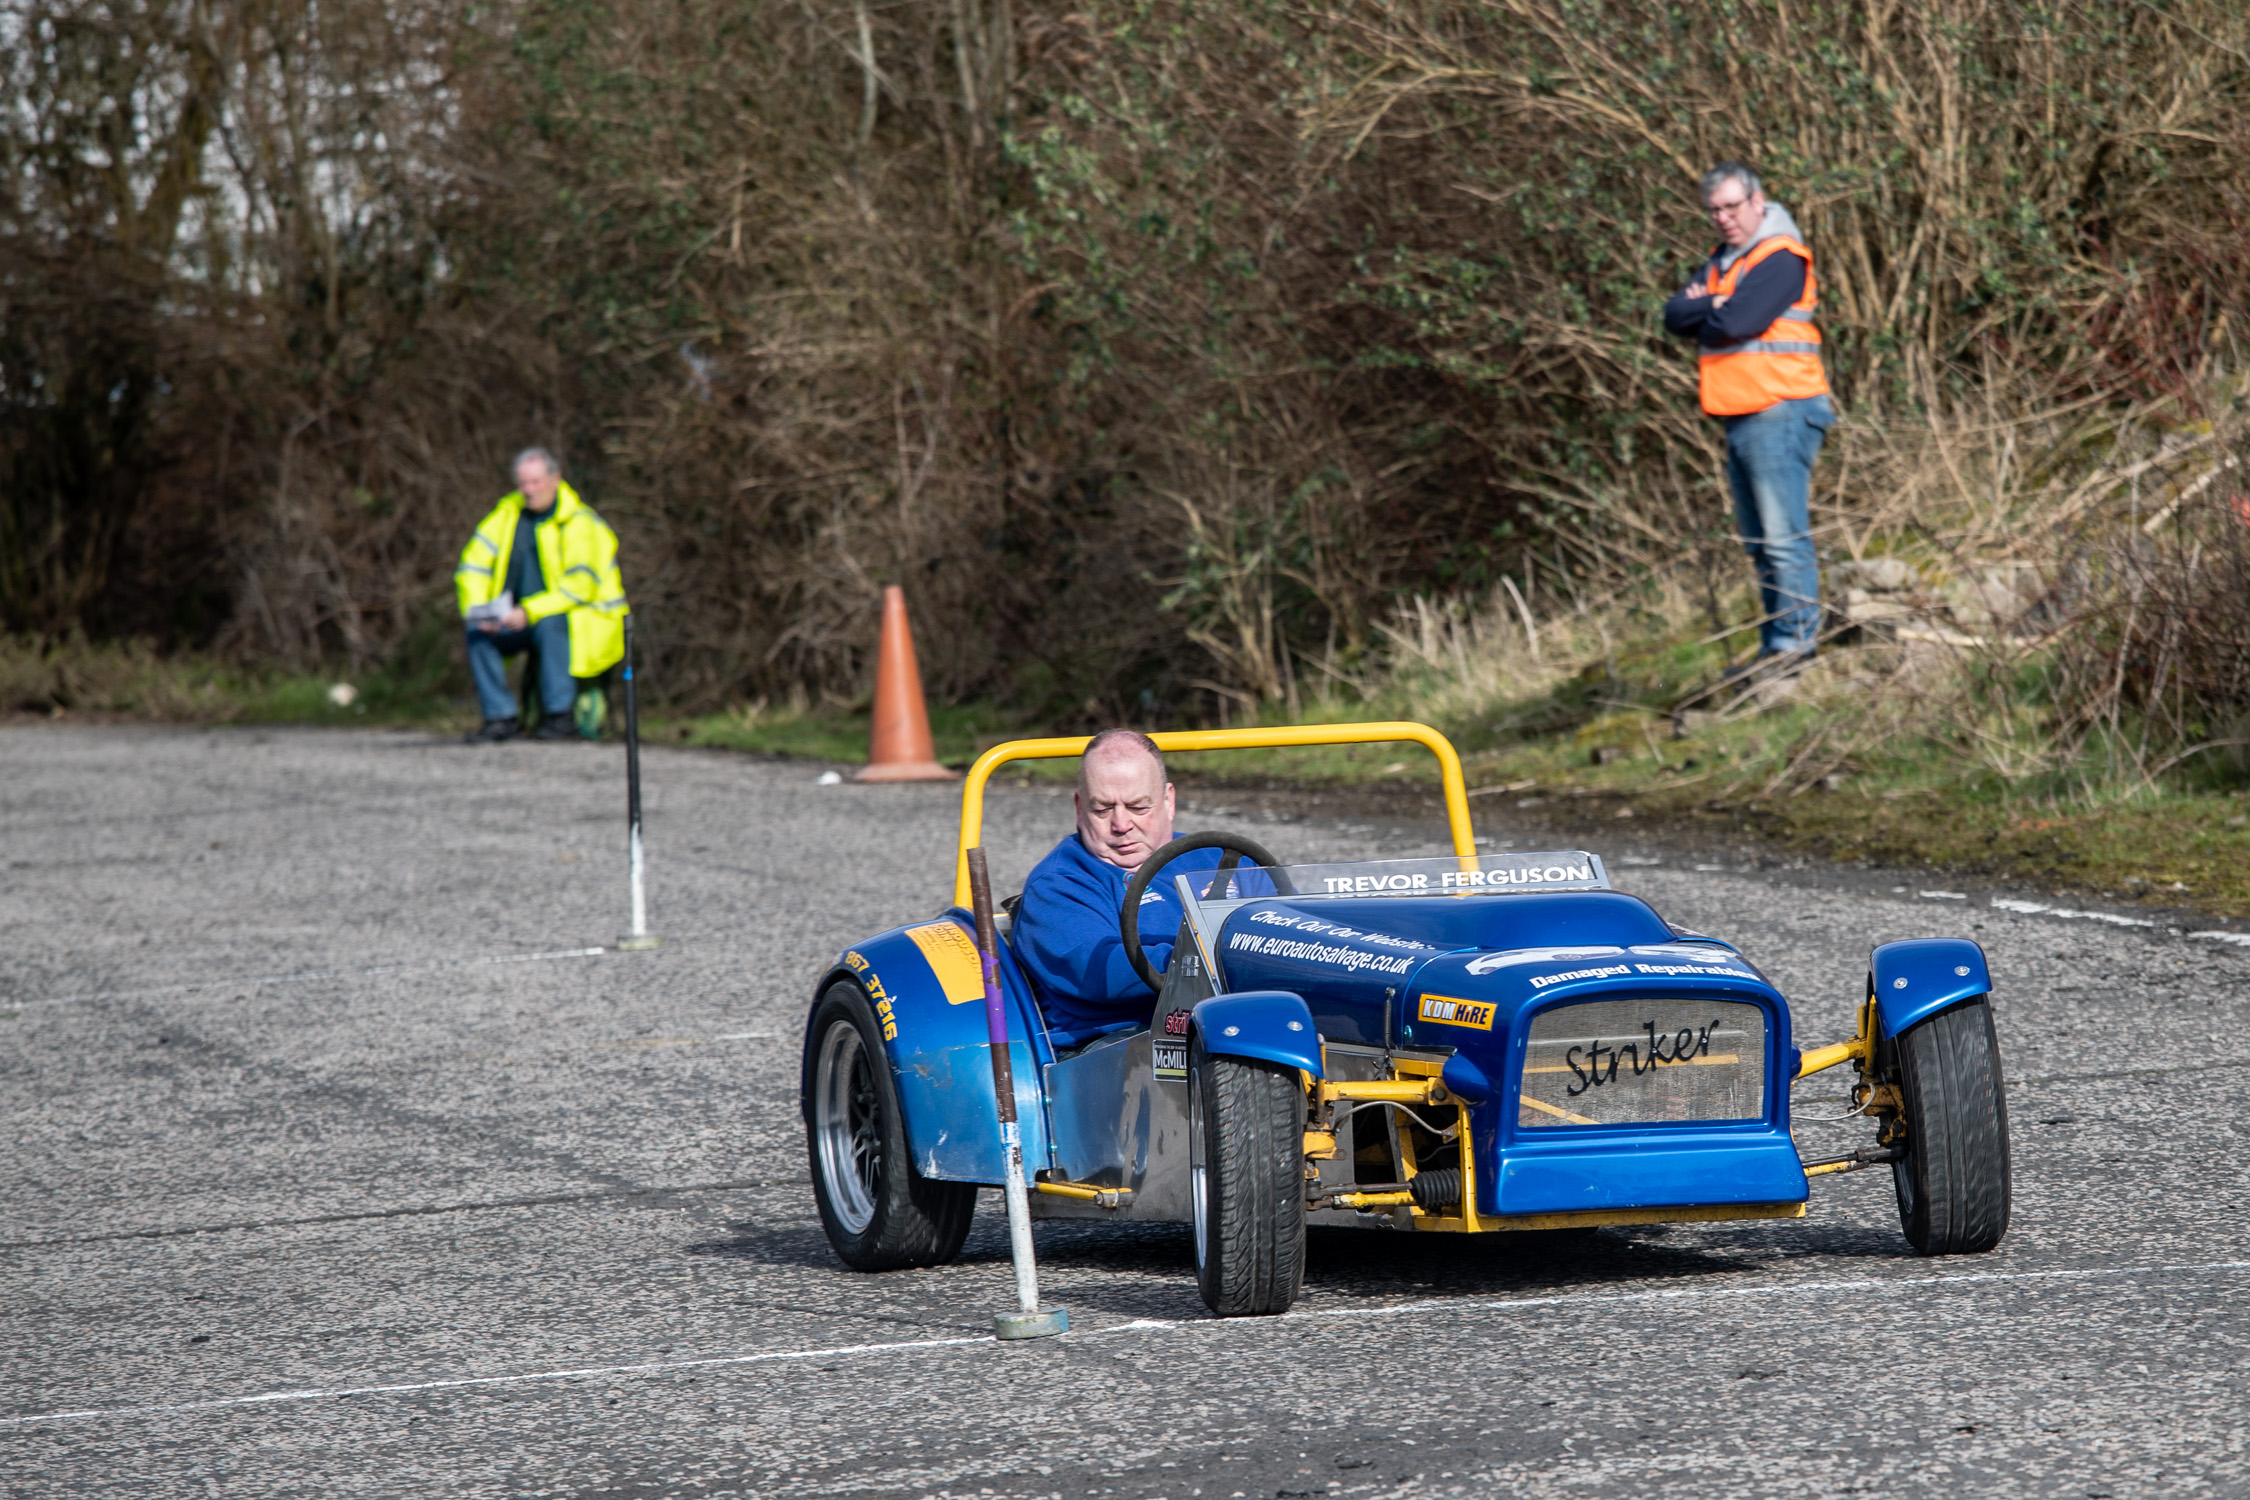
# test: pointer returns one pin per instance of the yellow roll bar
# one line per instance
(1279, 737)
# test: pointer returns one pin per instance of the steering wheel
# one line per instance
(1238, 849)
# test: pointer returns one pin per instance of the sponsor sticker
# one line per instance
(1336, 930)
(1169, 1055)
(1689, 969)
(1491, 961)
(884, 1013)
(1603, 971)
(1445, 882)
(1447, 1011)
(953, 957)
(1328, 955)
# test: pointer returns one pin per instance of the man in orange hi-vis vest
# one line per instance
(1750, 312)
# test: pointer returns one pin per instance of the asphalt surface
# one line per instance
(327, 1175)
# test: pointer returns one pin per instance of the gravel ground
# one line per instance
(339, 1166)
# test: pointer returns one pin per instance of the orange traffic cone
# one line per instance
(900, 749)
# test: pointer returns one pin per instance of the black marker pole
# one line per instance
(639, 937)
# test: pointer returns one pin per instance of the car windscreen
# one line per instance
(1446, 875)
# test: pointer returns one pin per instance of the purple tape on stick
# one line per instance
(995, 1014)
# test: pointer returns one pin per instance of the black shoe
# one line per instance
(556, 727)
(494, 731)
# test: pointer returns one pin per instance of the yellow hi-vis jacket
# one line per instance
(578, 560)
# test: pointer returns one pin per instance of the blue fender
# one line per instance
(927, 989)
(1466, 1081)
(1915, 979)
(1270, 1025)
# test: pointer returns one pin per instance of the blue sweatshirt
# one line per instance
(1765, 292)
(1068, 938)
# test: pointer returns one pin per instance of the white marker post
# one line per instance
(640, 937)
(1030, 1320)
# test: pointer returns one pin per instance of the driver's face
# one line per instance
(1124, 807)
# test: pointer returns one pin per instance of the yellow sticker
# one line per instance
(1477, 1013)
(953, 958)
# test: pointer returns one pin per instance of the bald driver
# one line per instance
(1067, 930)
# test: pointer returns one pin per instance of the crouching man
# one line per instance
(540, 575)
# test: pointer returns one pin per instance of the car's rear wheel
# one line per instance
(1953, 1180)
(1246, 1187)
(880, 1214)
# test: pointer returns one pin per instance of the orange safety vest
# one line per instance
(1781, 364)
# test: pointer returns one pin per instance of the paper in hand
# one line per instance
(495, 611)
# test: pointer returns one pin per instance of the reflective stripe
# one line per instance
(1783, 362)
(1763, 346)
(582, 568)
(471, 568)
(489, 545)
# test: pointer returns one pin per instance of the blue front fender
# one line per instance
(928, 994)
(1270, 1025)
(1917, 978)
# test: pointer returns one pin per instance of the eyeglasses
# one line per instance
(1726, 210)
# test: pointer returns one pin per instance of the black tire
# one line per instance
(1954, 1180)
(1246, 1183)
(880, 1214)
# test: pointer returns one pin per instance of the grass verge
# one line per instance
(1604, 743)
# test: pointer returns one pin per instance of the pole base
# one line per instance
(645, 941)
(1044, 1323)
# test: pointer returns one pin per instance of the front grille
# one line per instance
(1644, 1061)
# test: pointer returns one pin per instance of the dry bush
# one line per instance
(2153, 661)
(73, 674)
(1159, 350)
(2067, 613)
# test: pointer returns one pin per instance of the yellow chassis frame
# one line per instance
(1280, 737)
(1860, 1053)
(1417, 1082)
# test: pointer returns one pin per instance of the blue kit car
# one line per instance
(1469, 1044)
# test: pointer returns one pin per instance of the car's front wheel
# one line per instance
(1246, 1186)
(880, 1214)
(1953, 1180)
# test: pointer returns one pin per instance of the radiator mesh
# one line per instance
(1644, 1061)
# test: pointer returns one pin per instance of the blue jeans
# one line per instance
(558, 690)
(1769, 466)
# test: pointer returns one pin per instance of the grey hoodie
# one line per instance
(1776, 222)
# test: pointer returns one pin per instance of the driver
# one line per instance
(1067, 928)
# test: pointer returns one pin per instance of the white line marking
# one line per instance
(1944, 895)
(312, 974)
(267, 1398)
(1137, 1325)
(1864, 1284)
(2039, 909)
(2239, 939)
